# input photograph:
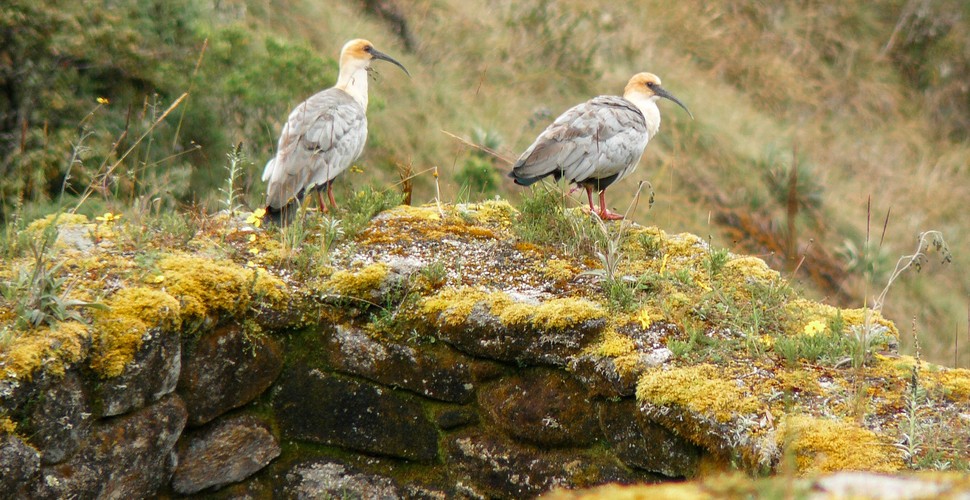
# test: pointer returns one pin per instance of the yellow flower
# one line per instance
(158, 279)
(103, 100)
(357, 170)
(256, 218)
(814, 327)
(252, 238)
(644, 319)
(107, 218)
(254, 251)
(767, 340)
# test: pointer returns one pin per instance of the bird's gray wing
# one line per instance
(599, 138)
(321, 138)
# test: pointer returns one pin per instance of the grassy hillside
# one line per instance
(826, 137)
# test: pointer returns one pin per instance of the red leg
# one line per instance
(323, 208)
(333, 202)
(604, 213)
(589, 194)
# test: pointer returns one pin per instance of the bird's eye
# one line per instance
(368, 48)
(650, 84)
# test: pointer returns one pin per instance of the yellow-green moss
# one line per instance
(120, 329)
(499, 212)
(803, 311)
(556, 269)
(614, 344)
(454, 305)
(698, 388)
(426, 212)
(358, 284)
(51, 348)
(741, 269)
(955, 382)
(208, 287)
(41, 224)
(668, 491)
(826, 445)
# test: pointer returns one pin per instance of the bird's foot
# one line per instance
(605, 214)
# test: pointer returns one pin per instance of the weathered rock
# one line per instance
(225, 370)
(152, 374)
(484, 334)
(645, 445)
(19, 467)
(544, 407)
(453, 418)
(126, 457)
(489, 468)
(328, 479)
(345, 412)
(435, 371)
(230, 450)
(602, 377)
(60, 419)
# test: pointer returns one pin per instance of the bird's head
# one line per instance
(647, 86)
(361, 52)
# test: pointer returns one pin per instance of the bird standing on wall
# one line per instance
(324, 134)
(599, 142)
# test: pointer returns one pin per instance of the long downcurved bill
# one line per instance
(667, 95)
(376, 54)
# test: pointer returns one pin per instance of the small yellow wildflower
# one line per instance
(103, 100)
(814, 327)
(254, 251)
(107, 218)
(357, 170)
(256, 218)
(644, 319)
(768, 340)
(252, 238)
(158, 279)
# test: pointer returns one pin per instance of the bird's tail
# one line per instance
(280, 216)
(522, 180)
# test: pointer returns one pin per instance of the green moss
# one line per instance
(698, 388)
(7, 426)
(358, 284)
(120, 329)
(52, 348)
(826, 445)
(212, 287)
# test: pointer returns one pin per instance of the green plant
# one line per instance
(436, 273)
(237, 159)
(40, 293)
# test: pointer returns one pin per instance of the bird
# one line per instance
(598, 142)
(324, 134)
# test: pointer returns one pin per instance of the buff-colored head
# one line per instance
(647, 86)
(360, 53)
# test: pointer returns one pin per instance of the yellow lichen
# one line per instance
(556, 269)
(614, 344)
(358, 284)
(207, 287)
(41, 224)
(826, 445)
(802, 312)
(499, 212)
(741, 269)
(52, 348)
(667, 491)
(454, 305)
(955, 382)
(701, 389)
(425, 212)
(120, 329)
(7, 426)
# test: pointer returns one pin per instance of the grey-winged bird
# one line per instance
(324, 134)
(599, 142)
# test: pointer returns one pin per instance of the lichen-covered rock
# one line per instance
(350, 413)
(126, 457)
(514, 328)
(60, 419)
(230, 450)
(153, 373)
(19, 466)
(226, 369)
(435, 371)
(328, 479)
(645, 445)
(487, 467)
(544, 407)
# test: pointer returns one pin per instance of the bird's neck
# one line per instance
(648, 107)
(353, 80)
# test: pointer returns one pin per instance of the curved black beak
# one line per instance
(660, 91)
(376, 54)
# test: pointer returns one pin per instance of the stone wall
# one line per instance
(333, 410)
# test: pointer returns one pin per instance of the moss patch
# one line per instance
(54, 348)
(453, 306)
(698, 388)
(825, 445)
(39, 225)
(358, 284)
(131, 313)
